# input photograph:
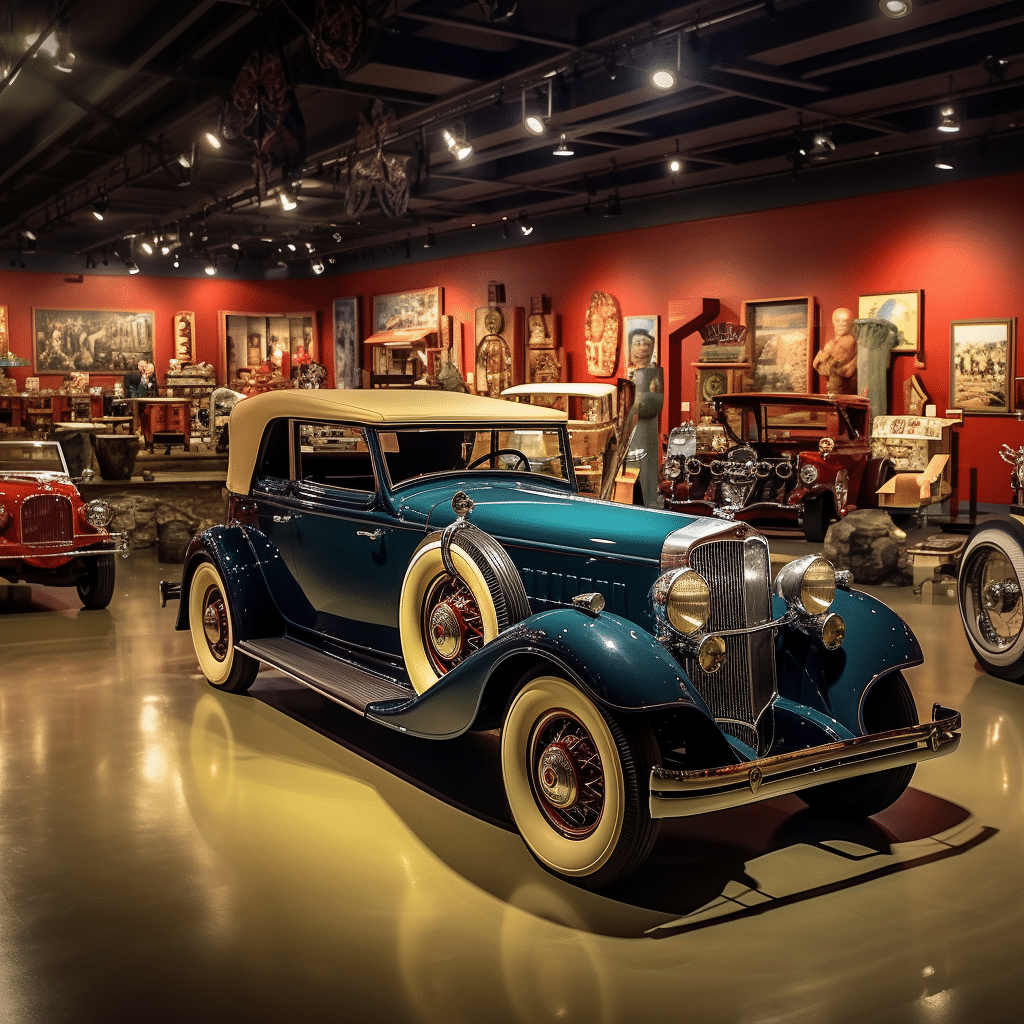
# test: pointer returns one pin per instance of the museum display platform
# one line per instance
(173, 853)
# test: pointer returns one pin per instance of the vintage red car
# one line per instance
(784, 463)
(48, 534)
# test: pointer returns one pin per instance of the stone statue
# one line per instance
(837, 360)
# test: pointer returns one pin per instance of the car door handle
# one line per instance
(372, 534)
(284, 519)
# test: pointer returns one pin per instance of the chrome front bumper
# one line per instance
(678, 794)
(121, 547)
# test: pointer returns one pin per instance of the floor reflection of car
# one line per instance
(48, 534)
(399, 554)
(789, 463)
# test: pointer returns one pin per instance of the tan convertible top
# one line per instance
(393, 406)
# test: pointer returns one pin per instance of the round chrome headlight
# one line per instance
(808, 474)
(833, 631)
(807, 584)
(681, 599)
(99, 514)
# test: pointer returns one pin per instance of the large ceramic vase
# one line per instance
(116, 455)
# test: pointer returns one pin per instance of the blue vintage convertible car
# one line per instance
(424, 560)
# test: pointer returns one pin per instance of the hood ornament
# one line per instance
(462, 504)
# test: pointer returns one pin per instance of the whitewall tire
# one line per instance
(577, 782)
(213, 633)
(442, 619)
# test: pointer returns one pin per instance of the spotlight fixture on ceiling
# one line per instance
(524, 223)
(613, 208)
(28, 234)
(456, 142)
(133, 267)
(895, 8)
(821, 145)
(317, 266)
(99, 207)
(675, 165)
(213, 139)
(665, 74)
(534, 117)
(996, 67)
(286, 197)
(945, 160)
(146, 247)
(431, 239)
(210, 268)
(948, 123)
(563, 148)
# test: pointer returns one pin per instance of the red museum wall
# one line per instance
(962, 243)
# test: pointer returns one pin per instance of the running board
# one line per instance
(341, 681)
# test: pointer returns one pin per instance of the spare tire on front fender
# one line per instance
(443, 618)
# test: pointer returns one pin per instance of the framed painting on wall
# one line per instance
(280, 341)
(642, 334)
(900, 308)
(184, 332)
(346, 343)
(781, 336)
(981, 366)
(91, 340)
(403, 310)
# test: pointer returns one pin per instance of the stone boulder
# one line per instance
(871, 546)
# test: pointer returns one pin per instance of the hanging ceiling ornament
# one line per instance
(382, 174)
(346, 32)
(263, 113)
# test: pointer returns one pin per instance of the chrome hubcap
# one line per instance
(556, 776)
(446, 630)
(566, 774)
(215, 623)
(451, 623)
(996, 594)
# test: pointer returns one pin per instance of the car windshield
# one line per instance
(419, 452)
(30, 457)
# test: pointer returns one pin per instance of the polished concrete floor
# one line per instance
(170, 853)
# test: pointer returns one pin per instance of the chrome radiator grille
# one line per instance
(47, 519)
(737, 572)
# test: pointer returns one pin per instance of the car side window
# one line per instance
(334, 455)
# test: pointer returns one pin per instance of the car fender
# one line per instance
(254, 613)
(599, 654)
(878, 642)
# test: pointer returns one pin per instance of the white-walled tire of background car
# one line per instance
(96, 590)
(489, 589)
(213, 633)
(989, 592)
(584, 817)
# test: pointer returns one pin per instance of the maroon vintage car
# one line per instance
(784, 463)
(48, 534)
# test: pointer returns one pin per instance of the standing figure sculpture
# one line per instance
(837, 360)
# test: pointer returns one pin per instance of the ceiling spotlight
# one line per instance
(524, 223)
(944, 163)
(996, 66)
(63, 59)
(177, 261)
(213, 139)
(133, 267)
(146, 248)
(235, 246)
(613, 208)
(28, 234)
(287, 199)
(431, 240)
(456, 143)
(210, 268)
(534, 117)
(563, 148)
(318, 266)
(949, 123)
(99, 208)
(675, 165)
(291, 246)
(663, 78)
(165, 250)
(187, 159)
(895, 8)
